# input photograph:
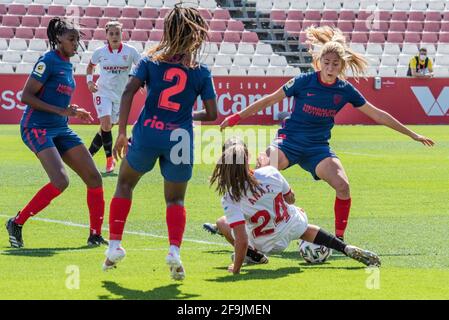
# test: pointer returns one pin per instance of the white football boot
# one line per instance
(113, 257)
(177, 271)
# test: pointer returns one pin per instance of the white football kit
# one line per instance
(270, 222)
(115, 67)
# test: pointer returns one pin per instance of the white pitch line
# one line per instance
(138, 233)
(362, 154)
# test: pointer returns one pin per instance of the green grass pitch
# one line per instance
(400, 210)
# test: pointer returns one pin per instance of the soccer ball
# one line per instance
(313, 253)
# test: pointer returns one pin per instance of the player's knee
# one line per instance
(61, 183)
(221, 223)
(342, 187)
(106, 126)
(94, 179)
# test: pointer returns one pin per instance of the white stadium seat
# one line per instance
(208, 60)
(209, 48)
(60, 2)
(264, 5)
(275, 71)
(372, 71)
(442, 60)
(242, 61)
(389, 60)
(436, 5)
(18, 44)
(85, 58)
(3, 45)
(387, 71)
(228, 48)
(136, 44)
(136, 3)
(208, 4)
(24, 1)
(81, 69)
(245, 48)
(332, 5)
(401, 71)
(6, 68)
(291, 71)
(410, 49)
(37, 45)
(95, 44)
(374, 48)
(12, 56)
(418, 5)
(223, 60)
(443, 48)
(439, 71)
(260, 61)
(45, 2)
(358, 47)
(24, 68)
(350, 4)
(281, 4)
(373, 60)
(99, 3)
(392, 48)
(264, 49)
(80, 2)
(298, 5)
(256, 71)
(315, 5)
(278, 61)
(237, 71)
(404, 59)
(368, 5)
(385, 5)
(76, 59)
(402, 5)
(31, 56)
(219, 71)
(154, 3)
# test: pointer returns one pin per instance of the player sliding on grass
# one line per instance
(115, 60)
(174, 80)
(44, 128)
(260, 217)
(318, 97)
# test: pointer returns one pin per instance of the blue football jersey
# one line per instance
(172, 90)
(55, 72)
(315, 106)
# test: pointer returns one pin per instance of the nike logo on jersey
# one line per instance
(310, 94)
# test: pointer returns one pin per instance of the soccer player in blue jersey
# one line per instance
(318, 97)
(45, 131)
(173, 80)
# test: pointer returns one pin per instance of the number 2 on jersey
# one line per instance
(180, 85)
(281, 211)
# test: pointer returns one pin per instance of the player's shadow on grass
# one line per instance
(162, 293)
(41, 252)
(256, 274)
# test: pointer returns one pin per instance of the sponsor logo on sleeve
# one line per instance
(290, 84)
(39, 69)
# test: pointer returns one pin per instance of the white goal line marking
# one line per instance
(137, 233)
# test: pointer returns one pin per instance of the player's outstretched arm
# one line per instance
(386, 119)
(209, 113)
(29, 97)
(257, 106)
(240, 248)
(90, 78)
(121, 143)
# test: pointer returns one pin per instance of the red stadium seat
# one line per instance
(330, 15)
(444, 37)
(415, 26)
(163, 12)
(151, 13)
(88, 22)
(139, 35)
(250, 37)
(395, 37)
(232, 36)
(45, 21)
(218, 25)
(31, 21)
(383, 15)
(76, 11)
(99, 34)
(346, 15)
(112, 12)
(11, 21)
(86, 34)
(293, 27)
(295, 15)
(215, 36)
(222, 14)
(329, 23)
(312, 15)
(361, 26)
(278, 17)
(234, 25)
(398, 26)
(445, 26)
(127, 23)
(433, 16)
(376, 37)
(429, 37)
(156, 35)
(36, 10)
(412, 37)
(102, 22)
(205, 13)
(302, 37)
(360, 37)
(56, 11)
(40, 33)
(345, 26)
(130, 13)
(24, 33)
(96, 12)
(399, 16)
(125, 35)
(6, 32)
(381, 26)
(144, 24)
(18, 9)
(432, 26)
(3, 9)
(159, 24)
(416, 16)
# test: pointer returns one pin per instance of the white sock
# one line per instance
(174, 250)
(114, 244)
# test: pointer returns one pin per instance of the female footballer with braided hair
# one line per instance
(318, 97)
(174, 80)
(44, 128)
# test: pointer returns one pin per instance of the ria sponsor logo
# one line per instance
(10, 99)
(432, 106)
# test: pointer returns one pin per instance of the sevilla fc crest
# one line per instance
(125, 57)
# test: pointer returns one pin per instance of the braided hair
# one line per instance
(57, 27)
(184, 32)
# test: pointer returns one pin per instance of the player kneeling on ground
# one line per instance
(260, 217)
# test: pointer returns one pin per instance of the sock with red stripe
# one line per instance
(118, 214)
(341, 208)
(95, 202)
(176, 222)
(41, 200)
